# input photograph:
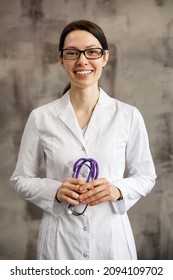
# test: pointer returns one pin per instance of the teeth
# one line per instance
(83, 72)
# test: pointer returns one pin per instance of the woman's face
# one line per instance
(83, 72)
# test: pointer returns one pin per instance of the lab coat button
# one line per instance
(83, 148)
(85, 255)
(84, 228)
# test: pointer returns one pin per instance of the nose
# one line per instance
(82, 59)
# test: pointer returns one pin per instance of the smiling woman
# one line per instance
(85, 125)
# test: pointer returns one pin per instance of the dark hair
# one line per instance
(85, 25)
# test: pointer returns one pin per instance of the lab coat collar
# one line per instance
(103, 110)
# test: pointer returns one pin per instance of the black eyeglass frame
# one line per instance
(84, 52)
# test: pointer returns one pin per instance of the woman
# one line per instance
(85, 123)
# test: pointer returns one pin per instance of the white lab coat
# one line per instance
(116, 136)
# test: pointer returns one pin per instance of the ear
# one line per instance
(61, 62)
(105, 58)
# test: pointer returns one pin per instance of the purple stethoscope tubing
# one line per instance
(92, 175)
(94, 169)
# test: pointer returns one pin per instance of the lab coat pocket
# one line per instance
(62, 158)
(119, 152)
(118, 161)
(41, 237)
(47, 238)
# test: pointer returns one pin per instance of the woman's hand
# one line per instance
(98, 191)
(69, 191)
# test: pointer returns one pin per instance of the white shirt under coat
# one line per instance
(116, 136)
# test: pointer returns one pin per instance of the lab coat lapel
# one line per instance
(102, 112)
(96, 121)
(68, 117)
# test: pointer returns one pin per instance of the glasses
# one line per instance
(72, 54)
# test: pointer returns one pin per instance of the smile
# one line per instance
(83, 73)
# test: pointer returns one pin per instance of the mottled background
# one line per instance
(140, 72)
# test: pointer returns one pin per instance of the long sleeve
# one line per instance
(40, 191)
(141, 172)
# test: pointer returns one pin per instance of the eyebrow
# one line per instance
(87, 47)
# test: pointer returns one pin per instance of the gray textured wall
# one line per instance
(140, 71)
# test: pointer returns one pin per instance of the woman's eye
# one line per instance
(71, 53)
(93, 52)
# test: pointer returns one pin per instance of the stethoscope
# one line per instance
(92, 175)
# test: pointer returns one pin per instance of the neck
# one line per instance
(84, 99)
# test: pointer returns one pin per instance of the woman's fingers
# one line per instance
(74, 191)
(69, 191)
(101, 191)
(92, 184)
